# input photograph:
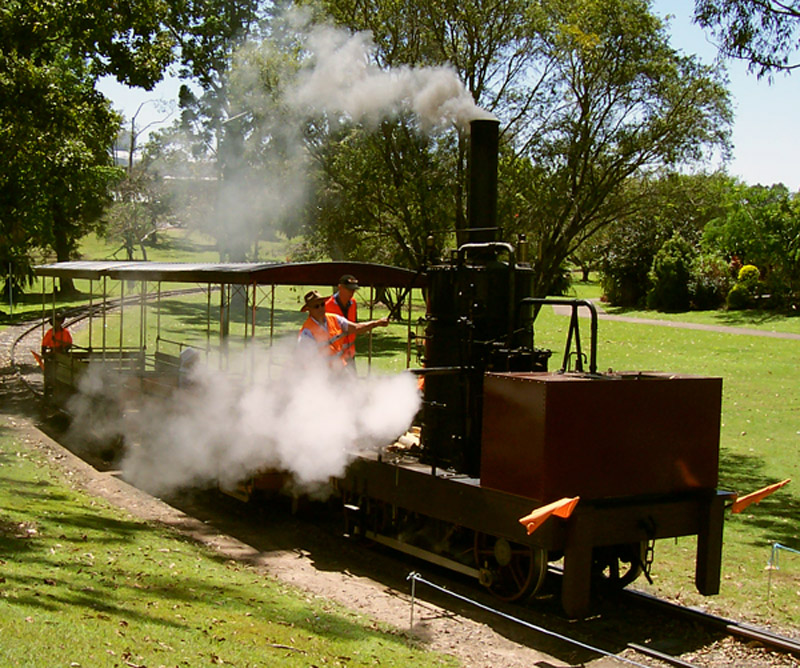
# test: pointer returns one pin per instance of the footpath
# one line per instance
(583, 312)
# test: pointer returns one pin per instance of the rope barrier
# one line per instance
(416, 577)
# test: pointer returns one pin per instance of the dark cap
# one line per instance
(349, 281)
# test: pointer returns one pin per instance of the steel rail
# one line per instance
(732, 627)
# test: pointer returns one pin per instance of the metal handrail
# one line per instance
(573, 328)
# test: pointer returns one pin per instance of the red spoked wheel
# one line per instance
(510, 571)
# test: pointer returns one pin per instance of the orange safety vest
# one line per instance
(332, 338)
(349, 346)
(57, 341)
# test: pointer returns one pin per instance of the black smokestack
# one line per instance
(482, 201)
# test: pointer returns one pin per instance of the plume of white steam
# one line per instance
(309, 422)
(343, 78)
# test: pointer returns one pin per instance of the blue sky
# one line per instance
(765, 133)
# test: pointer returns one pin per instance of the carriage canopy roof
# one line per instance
(269, 273)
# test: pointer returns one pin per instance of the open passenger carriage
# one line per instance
(229, 305)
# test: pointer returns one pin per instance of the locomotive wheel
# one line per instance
(619, 565)
(510, 571)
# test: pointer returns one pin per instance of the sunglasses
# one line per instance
(320, 305)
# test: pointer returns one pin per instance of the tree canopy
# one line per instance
(56, 134)
(589, 94)
(55, 128)
(764, 33)
(761, 226)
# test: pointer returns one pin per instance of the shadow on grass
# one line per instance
(62, 557)
(776, 516)
(183, 244)
(723, 317)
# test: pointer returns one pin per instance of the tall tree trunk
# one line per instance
(63, 250)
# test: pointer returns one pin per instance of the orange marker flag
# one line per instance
(561, 508)
(754, 497)
(38, 357)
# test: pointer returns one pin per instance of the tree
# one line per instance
(234, 124)
(669, 275)
(590, 95)
(673, 204)
(617, 102)
(56, 163)
(761, 227)
(764, 33)
(492, 48)
(57, 133)
(140, 204)
(381, 195)
(128, 139)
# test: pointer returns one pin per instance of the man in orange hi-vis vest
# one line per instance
(57, 338)
(343, 303)
(327, 331)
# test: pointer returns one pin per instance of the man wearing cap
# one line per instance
(343, 303)
(327, 331)
(57, 338)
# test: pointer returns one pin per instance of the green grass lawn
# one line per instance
(84, 584)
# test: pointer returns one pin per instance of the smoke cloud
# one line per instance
(263, 182)
(307, 421)
(341, 77)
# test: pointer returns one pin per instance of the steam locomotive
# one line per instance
(619, 459)
(500, 436)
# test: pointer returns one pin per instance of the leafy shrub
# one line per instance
(749, 275)
(562, 281)
(739, 297)
(743, 293)
(669, 276)
(710, 282)
(626, 258)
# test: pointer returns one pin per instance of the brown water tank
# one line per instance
(547, 435)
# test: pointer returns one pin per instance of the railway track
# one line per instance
(744, 632)
(619, 630)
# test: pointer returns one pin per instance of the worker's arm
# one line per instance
(361, 327)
